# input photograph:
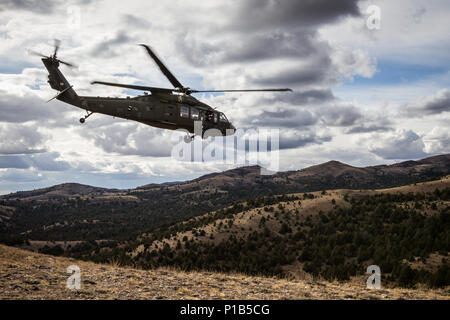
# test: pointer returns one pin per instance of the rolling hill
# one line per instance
(327, 221)
(74, 212)
(332, 234)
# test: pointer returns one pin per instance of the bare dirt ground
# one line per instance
(29, 275)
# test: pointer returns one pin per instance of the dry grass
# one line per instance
(29, 275)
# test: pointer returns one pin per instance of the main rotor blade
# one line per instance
(244, 90)
(132, 86)
(174, 81)
(68, 64)
(35, 53)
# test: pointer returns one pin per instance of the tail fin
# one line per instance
(58, 82)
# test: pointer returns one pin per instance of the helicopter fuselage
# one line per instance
(158, 108)
(167, 111)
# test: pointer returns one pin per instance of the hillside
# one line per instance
(334, 234)
(28, 275)
(74, 212)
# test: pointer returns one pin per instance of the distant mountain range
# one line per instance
(329, 175)
(69, 212)
(326, 220)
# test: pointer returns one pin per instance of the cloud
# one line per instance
(299, 97)
(16, 162)
(266, 14)
(19, 176)
(108, 47)
(42, 162)
(368, 128)
(131, 139)
(430, 105)
(374, 122)
(38, 6)
(437, 140)
(401, 144)
(276, 43)
(20, 139)
(320, 49)
(340, 115)
(48, 162)
(285, 118)
(294, 139)
(29, 107)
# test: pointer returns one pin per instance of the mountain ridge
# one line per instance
(330, 168)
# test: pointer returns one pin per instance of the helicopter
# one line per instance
(166, 108)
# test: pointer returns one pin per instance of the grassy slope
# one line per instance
(28, 275)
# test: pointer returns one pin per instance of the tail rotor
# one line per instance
(54, 56)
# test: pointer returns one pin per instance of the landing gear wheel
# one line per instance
(82, 120)
(188, 138)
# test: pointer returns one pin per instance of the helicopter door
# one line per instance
(169, 114)
(215, 117)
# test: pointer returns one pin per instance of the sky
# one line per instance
(370, 81)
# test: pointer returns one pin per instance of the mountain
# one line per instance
(74, 212)
(65, 190)
(331, 174)
(330, 221)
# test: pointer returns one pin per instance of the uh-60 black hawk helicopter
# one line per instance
(162, 107)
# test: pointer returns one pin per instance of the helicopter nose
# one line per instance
(233, 128)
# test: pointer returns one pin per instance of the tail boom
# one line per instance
(58, 82)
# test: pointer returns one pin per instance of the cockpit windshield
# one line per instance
(223, 118)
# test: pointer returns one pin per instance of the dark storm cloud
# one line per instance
(320, 106)
(108, 47)
(29, 107)
(340, 116)
(43, 162)
(434, 104)
(260, 30)
(368, 128)
(285, 118)
(38, 6)
(241, 48)
(15, 162)
(316, 73)
(275, 44)
(297, 98)
(268, 14)
(366, 124)
(301, 139)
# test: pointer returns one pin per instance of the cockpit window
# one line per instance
(223, 118)
(184, 112)
(194, 113)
